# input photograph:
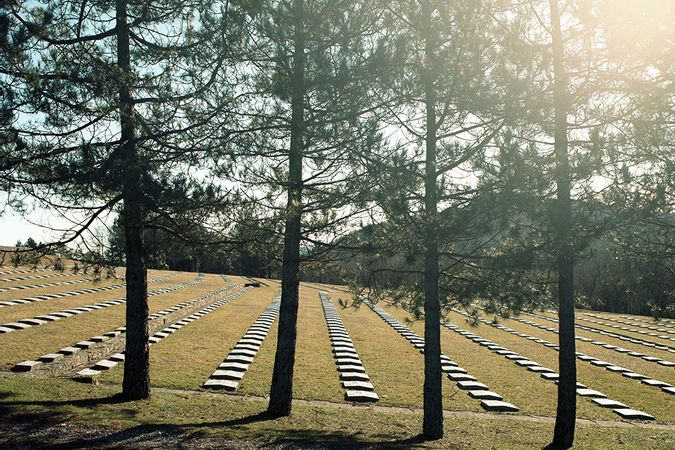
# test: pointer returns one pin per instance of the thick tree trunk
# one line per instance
(433, 400)
(281, 392)
(563, 436)
(136, 383)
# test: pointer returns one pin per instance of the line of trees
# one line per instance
(439, 153)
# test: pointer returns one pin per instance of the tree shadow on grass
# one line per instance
(46, 428)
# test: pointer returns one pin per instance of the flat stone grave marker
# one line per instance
(228, 374)
(350, 368)
(234, 366)
(239, 358)
(25, 366)
(657, 383)
(347, 361)
(617, 369)
(88, 373)
(515, 357)
(243, 351)
(600, 363)
(50, 357)
(461, 377)
(583, 392)
(119, 357)
(453, 369)
(358, 385)
(550, 376)
(634, 376)
(526, 363)
(255, 348)
(539, 369)
(98, 338)
(16, 325)
(633, 414)
(105, 364)
(361, 396)
(669, 389)
(472, 386)
(607, 403)
(354, 376)
(85, 344)
(69, 350)
(498, 405)
(485, 395)
(228, 385)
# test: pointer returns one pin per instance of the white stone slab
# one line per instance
(105, 364)
(16, 325)
(485, 395)
(85, 344)
(228, 374)
(228, 385)
(633, 414)
(472, 386)
(347, 361)
(240, 367)
(600, 363)
(526, 363)
(656, 383)
(51, 357)
(119, 357)
(26, 366)
(583, 392)
(98, 338)
(461, 377)
(607, 403)
(350, 368)
(88, 373)
(239, 359)
(669, 390)
(358, 385)
(550, 376)
(498, 405)
(354, 376)
(360, 396)
(69, 350)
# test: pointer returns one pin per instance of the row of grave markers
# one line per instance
(230, 372)
(605, 345)
(112, 361)
(489, 400)
(88, 343)
(45, 297)
(353, 376)
(582, 390)
(22, 324)
(622, 337)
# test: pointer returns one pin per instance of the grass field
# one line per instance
(182, 362)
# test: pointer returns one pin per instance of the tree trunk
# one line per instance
(563, 436)
(281, 392)
(136, 383)
(433, 400)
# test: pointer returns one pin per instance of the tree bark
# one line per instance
(136, 383)
(281, 392)
(563, 436)
(433, 400)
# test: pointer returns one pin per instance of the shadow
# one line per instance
(86, 402)
(55, 430)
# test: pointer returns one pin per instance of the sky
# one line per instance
(13, 227)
